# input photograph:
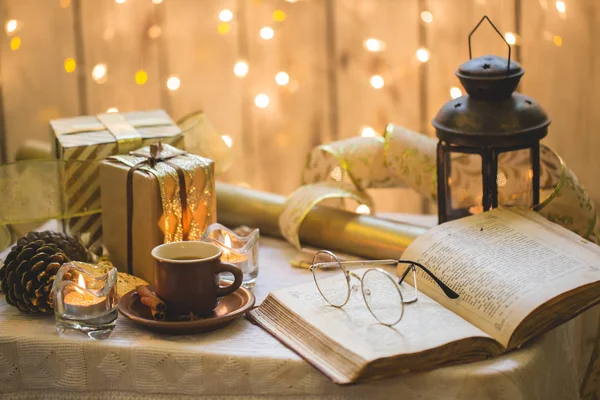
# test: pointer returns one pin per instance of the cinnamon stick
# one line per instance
(148, 298)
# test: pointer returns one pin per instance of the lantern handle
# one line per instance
(485, 17)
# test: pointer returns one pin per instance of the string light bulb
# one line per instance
(267, 33)
(119, 1)
(240, 69)
(223, 28)
(278, 16)
(99, 73)
(455, 92)
(173, 83)
(557, 40)
(112, 110)
(15, 43)
(261, 100)
(561, 6)
(157, 1)
(11, 26)
(427, 17)
(228, 140)
(367, 131)
(374, 45)
(363, 209)
(377, 81)
(282, 78)
(225, 15)
(510, 38)
(423, 54)
(70, 65)
(141, 77)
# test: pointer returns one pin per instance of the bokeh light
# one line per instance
(423, 54)
(267, 33)
(282, 78)
(261, 100)
(173, 83)
(427, 17)
(225, 15)
(70, 65)
(377, 81)
(141, 77)
(240, 69)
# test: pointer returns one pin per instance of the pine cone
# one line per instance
(68, 244)
(28, 273)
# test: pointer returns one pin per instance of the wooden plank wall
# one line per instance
(320, 44)
(562, 71)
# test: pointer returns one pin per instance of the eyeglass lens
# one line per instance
(382, 297)
(335, 291)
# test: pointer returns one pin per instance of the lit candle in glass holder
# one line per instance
(85, 299)
(240, 250)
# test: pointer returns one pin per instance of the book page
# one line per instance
(425, 324)
(503, 264)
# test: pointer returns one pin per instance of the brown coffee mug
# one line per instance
(187, 277)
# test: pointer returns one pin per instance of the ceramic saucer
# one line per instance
(229, 308)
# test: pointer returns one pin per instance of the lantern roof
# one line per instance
(491, 114)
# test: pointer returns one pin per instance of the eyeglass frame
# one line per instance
(358, 263)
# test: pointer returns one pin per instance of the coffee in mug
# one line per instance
(187, 276)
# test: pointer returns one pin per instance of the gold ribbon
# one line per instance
(174, 221)
(403, 158)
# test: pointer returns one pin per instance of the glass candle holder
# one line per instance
(85, 299)
(238, 249)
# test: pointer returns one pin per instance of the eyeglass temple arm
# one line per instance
(359, 263)
(449, 292)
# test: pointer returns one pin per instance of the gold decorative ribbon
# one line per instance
(403, 158)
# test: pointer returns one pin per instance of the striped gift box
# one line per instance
(93, 138)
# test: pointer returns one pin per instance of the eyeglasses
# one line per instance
(380, 290)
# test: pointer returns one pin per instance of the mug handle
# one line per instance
(237, 274)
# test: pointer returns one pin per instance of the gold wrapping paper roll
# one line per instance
(324, 227)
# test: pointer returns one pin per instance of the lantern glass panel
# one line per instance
(465, 183)
(514, 180)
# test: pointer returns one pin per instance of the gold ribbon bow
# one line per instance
(344, 169)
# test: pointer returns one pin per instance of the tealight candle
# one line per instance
(240, 250)
(81, 301)
(85, 299)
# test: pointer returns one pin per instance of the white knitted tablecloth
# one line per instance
(244, 361)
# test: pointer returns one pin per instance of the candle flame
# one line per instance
(227, 240)
(81, 284)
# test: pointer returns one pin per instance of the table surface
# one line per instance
(243, 360)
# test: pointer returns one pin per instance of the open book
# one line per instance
(517, 276)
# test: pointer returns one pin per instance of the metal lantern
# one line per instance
(489, 122)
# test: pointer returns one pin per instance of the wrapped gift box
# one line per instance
(150, 182)
(92, 138)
